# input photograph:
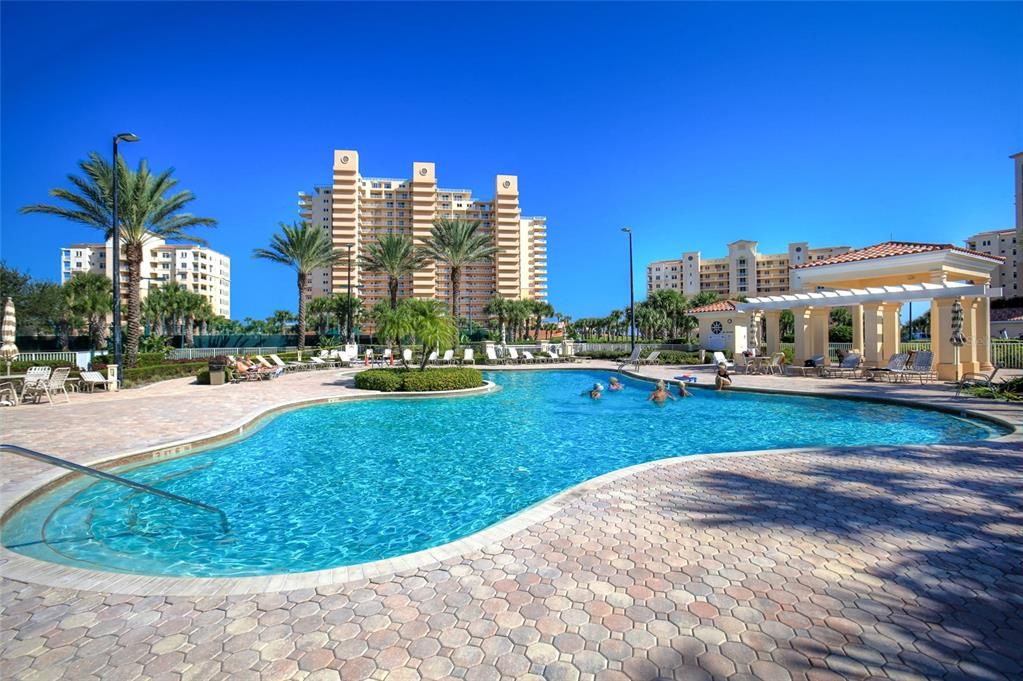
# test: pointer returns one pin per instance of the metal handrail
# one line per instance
(102, 475)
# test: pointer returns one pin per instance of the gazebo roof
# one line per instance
(872, 294)
(891, 249)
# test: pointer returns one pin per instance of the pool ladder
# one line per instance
(109, 477)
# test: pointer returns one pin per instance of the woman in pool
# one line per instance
(596, 391)
(614, 384)
(721, 379)
(660, 394)
(682, 392)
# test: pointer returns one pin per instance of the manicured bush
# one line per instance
(678, 357)
(160, 372)
(20, 367)
(414, 380)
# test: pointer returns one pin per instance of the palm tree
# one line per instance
(458, 243)
(279, 321)
(145, 211)
(396, 256)
(305, 248)
(320, 312)
(498, 307)
(339, 307)
(541, 310)
(90, 297)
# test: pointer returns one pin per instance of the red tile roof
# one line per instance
(891, 249)
(719, 306)
(1007, 314)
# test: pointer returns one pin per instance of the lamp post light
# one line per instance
(348, 313)
(120, 137)
(632, 294)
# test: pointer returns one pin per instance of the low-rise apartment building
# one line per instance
(197, 268)
(744, 271)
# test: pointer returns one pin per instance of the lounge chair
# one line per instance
(432, 357)
(492, 357)
(288, 366)
(319, 362)
(631, 359)
(406, 356)
(649, 359)
(387, 357)
(8, 395)
(896, 362)
(528, 358)
(33, 377)
(50, 386)
(513, 355)
(851, 367)
(468, 356)
(719, 358)
(263, 361)
(920, 366)
(976, 379)
(448, 358)
(91, 379)
(813, 367)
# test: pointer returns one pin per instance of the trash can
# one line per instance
(217, 367)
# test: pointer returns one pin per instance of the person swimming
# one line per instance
(682, 392)
(660, 394)
(596, 392)
(614, 384)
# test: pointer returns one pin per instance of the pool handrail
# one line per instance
(110, 477)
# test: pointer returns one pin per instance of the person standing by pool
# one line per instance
(660, 394)
(614, 384)
(721, 379)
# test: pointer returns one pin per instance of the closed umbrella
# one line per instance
(958, 340)
(8, 350)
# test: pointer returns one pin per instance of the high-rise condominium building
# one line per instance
(197, 268)
(1006, 242)
(743, 272)
(356, 210)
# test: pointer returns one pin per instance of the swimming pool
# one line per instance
(341, 484)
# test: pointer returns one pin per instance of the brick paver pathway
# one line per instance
(901, 563)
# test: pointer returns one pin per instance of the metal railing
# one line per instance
(203, 353)
(47, 356)
(109, 477)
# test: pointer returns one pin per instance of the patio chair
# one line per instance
(977, 379)
(448, 358)
(468, 356)
(49, 387)
(91, 379)
(406, 356)
(850, 367)
(896, 362)
(631, 359)
(649, 359)
(492, 357)
(776, 365)
(719, 358)
(812, 367)
(920, 366)
(8, 395)
(33, 377)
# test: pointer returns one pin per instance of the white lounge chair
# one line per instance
(33, 377)
(719, 358)
(513, 355)
(649, 359)
(492, 357)
(262, 360)
(631, 359)
(468, 357)
(977, 379)
(288, 366)
(432, 358)
(920, 366)
(91, 379)
(51, 386)
(850, 367)
(448, 358)
(527, 358)
(406, 356)
(896, 362)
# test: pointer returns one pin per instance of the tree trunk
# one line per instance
(454, 293)
(301, 311)
(133, 254)
(189, 331)
(392, 287)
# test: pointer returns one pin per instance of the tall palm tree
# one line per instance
(458, 243)
(498, 307)
(319, 313)
(148, 207)
(541, 310)
(278, 321)
(305, 248)
(339, 307)
(90, 297)
(396, 256)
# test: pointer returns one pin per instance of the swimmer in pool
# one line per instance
(682, 392)
(660, 394)
(614, 384)
(598, 389)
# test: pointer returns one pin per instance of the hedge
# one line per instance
(160, 372)
(414, 380)
(22, 367)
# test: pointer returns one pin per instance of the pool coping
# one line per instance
(24, 568)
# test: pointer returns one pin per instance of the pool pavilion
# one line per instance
(874, 283)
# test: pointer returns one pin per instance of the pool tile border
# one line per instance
(17, 566)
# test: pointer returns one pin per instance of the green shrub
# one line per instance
(151, 374)
(22, 367)
(203, 377)
(414, 380)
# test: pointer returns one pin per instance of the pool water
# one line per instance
(346, 483)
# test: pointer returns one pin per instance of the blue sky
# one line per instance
(695, 124)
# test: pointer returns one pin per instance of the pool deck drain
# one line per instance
(891, 562)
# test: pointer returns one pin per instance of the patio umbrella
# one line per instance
(754, 333)
(958, 340)
(8, 350)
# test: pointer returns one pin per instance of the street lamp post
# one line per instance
(348, 314)
(632, 294)
(120, 137)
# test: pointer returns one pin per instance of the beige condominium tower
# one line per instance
(357, 210)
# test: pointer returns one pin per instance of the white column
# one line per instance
(873, 334)
(892, 332)
(773, 331)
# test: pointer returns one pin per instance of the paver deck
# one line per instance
(886, 562)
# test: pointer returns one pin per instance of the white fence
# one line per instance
(47, 357)
(203, 353)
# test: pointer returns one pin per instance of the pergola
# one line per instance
(875, 282)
